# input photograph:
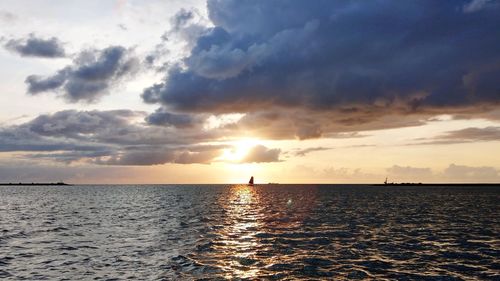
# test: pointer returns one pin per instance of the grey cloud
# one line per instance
(37, 47)
(139, 158)
(7, 17)
(407, 172)
(157, 156)
(76, 124)
(473, 174)
(90, 76)
(202, 157)
(484, 113)
(115, 127)
(262, 154)
(475, 134)
(115, 137)
(162, 117)
(472, 134)
(477, 5)
(303, 124)
(305, 151)
(71, 156)
(182, 18)
(453, 173)
(186, 25)
(38, 84)
(21, 138)
(333, 56)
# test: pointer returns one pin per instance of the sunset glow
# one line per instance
(239, 150)
(183, 92)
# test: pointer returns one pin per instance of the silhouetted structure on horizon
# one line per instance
(36, 183)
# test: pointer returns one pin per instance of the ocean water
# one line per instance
(219, 232)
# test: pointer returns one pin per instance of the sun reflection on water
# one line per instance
(256, 233)
(239, 234)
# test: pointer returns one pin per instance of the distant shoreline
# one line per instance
(436, 184)
(262, 184)
(35, 183)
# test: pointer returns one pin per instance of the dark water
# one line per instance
(236, 232)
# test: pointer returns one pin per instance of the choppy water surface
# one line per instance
(239, 232)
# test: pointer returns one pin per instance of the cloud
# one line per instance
(343, 61)
(113, 137)
(91, 75)
(262, 154)
(472, 134)
(303, 152)
(138, 158)
(407, 172)
(162, 117)
(453, 173)
(471, 174)
(77, 124)
(201, 157)
(477, 5)
(155, 156)
(36, 47)
(69, 157)
(7, 17)
(303, 124)
(21, 138)
(187, 25)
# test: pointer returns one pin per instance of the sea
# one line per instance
(238, 232)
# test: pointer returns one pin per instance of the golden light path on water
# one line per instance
(239, 237)
(243, 245)
(238, 232)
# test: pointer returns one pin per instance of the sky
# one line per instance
(216, 91)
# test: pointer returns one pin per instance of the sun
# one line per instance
(239, 150)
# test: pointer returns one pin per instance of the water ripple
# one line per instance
(221, 232)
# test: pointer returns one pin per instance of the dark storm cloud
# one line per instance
(36, 47)
(90, 76)
(396, 57)
(262, 154)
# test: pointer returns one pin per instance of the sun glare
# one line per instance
(240, 149)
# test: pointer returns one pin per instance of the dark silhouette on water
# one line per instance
(36, 183)
(250, 182)
(386, 183)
